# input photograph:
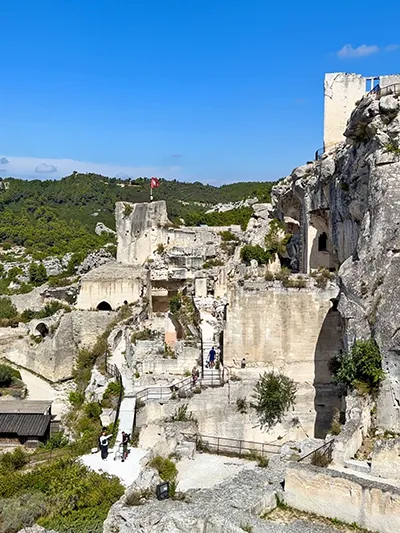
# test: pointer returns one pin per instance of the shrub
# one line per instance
(160, 248)
(361, 367)
(273, 396)
(113, 389)
(37, 273)
(283, 274)
(58, 440)
(269, 276)
(76, 398)
(249, 252)
(320, 459)
(80, 498)
(128, 209)
(7, 308)
(22, 511)
(6, 375)
(228, 236)
(241, 405)
(14, 460)
(181, 414)
(175, 304)
(336, 427)
(165, 467)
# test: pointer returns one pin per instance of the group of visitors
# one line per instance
(104, 442)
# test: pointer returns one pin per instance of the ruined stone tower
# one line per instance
(341, 92)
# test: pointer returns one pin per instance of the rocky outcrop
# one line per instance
(94, 260)
(352, 194)
(223, 509)
(102, 228)
(51, 345)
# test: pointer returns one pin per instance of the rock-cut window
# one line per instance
(322, 242)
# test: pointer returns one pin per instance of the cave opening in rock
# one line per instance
(42, 329)
(104, 306)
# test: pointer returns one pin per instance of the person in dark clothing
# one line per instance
(211, 357)
(125, 442)
(103, 443)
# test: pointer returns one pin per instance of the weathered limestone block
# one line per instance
(345, 497)
(386, 459)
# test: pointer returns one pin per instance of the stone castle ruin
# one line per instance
(334, 281)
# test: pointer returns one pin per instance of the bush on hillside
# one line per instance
(360, 368)
(7, 308)
(6, 375)
(274, 394)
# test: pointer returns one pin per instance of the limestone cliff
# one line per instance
(347, 206)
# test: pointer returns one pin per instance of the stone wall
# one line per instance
(341, 91)
(112, 284)
(386, 459)
(372, 505)
(292, 330)
(358, 423)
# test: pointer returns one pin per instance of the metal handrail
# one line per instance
(113, 370)
(394, 88)
(327, 451)
(242, 447)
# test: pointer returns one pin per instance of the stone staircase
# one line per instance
(211, 377)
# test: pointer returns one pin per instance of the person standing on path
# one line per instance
(211, 357)
(125, 442)
(103, 443)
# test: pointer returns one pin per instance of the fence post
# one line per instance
(217, 445)
(240, 448)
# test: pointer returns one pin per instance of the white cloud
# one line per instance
(361, 51)
(29, 166)
(45, 168)
(4, 161)
(392, 47)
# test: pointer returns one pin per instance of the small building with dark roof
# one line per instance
(24, 422)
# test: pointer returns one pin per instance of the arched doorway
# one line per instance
(104, 306)
(42, 329)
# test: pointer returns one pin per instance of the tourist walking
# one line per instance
(211, 357)
(195, 375)
(125, 442)
(103, 444)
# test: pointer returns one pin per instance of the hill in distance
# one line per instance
(53, 217)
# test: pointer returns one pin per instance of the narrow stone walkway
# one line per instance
(128, 404)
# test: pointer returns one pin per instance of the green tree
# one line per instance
(6, 375)
(37, 273)
(362, 365)
(249, 252)
(274, 394)
(7, 308)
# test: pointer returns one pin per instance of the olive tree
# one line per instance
(274, 394)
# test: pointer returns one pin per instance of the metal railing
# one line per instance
(237, 447)
(164, 393)
(319, 153)
(394, 89)
(321, 456)
(113, 370)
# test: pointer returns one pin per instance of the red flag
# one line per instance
(154, 183)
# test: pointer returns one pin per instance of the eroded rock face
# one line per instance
(353, 194)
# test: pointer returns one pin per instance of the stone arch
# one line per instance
(327, 395)
(104, 306)
(42, 329)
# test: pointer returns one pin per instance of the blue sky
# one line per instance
(211, 90)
